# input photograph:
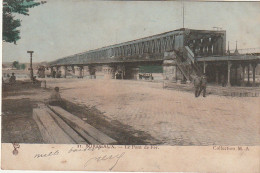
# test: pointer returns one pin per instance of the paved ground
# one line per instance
(172, 117)
(18, 125)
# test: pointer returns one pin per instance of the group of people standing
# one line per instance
(11, 79)
(200, 84)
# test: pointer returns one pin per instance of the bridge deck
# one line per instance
(229, 58)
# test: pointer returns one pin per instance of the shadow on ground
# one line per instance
(18, 125)
(122, 133)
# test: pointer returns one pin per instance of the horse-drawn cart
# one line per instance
(146, 76)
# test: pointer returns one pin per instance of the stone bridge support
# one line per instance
(92, 72)
(109, 71)
(64, 71)
(73, 69)
(169, 70)
(79, 71)
(51, 73)
(58, 72)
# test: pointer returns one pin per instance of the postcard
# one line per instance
(130, 86)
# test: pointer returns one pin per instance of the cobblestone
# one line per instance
(173, 117)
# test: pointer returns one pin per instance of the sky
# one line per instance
(64, 27)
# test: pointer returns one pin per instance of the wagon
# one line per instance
(146, 76)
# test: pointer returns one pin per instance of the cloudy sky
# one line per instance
(64, 27)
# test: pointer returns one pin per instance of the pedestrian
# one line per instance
(55, 99)
(12, 79)
(203, 85)
(197, 83)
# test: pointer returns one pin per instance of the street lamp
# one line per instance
(31, 52)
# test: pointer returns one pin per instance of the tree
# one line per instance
(10, 32)
(22, 66)
(16, 65)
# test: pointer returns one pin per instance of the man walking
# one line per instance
(197, 84)
(203, 85)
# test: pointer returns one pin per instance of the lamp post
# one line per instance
(31, 52)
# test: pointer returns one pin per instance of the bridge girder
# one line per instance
(153, 46)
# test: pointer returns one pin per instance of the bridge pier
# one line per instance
(73, 69)
(170, 70)
(64, 71)
(51, 74)
(58, 72)
(92, 72)
(80, 71)
(109, 72)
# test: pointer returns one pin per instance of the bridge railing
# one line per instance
(182, 65)
(112, 59)
(191, 58)
(188, 53)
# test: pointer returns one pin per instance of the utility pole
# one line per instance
(31, 52)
